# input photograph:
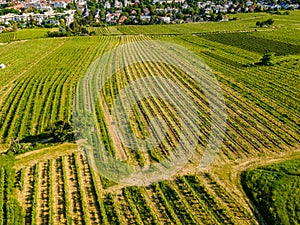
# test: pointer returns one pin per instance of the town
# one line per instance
(44, 13)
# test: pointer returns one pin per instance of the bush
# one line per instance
(58, 34)
(62, 131)
(268, 22)
(267, 60)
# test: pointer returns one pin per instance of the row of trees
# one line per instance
(57, 133)
(268, 22)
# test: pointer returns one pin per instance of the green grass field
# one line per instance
(55, 184)
(275, 190)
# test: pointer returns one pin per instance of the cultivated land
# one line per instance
(55, 185)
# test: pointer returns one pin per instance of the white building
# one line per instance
(107, 5)
(166, 19)
(60, 5)
(145, 18)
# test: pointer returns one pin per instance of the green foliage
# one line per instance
(111, 210)
(275, 190)
(106, 183)
(10, 211)
(268, 22)
(267, 60)
(255, 44)
(177, 204)
(61, 131)
(58, 34)
(16, 147)
(136, 198)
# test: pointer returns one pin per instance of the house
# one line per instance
(52, 22)
(107, 5)
(18, 6)
(185, 6)
(158, 1)
(118, 4)
(208, 11)
(145, 18)
(146, 11)
(85, 12)
(126, 3)
(60, 5)
(69, 19)
(133, 12)
(110, 18)
(160, 11)
(165, 19)
(249, 3)
(122, 19)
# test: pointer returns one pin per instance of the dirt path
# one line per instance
(44, 154)
(120, 151)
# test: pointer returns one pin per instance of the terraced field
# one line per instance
(56, 183)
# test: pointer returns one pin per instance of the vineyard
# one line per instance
(56, 183)
(104, 30)
(24, 34)
(65, 190)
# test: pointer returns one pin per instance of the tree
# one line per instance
(219, 16)
(62, 131)
(267, 59)
(16, 147)
(268, 22)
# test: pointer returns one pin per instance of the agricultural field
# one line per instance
(45, 180)
(25, 34)
(104, 30)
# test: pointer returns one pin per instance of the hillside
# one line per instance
(274, 190)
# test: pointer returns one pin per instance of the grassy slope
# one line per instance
(275, 189)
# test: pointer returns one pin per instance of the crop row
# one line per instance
(46, 89)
